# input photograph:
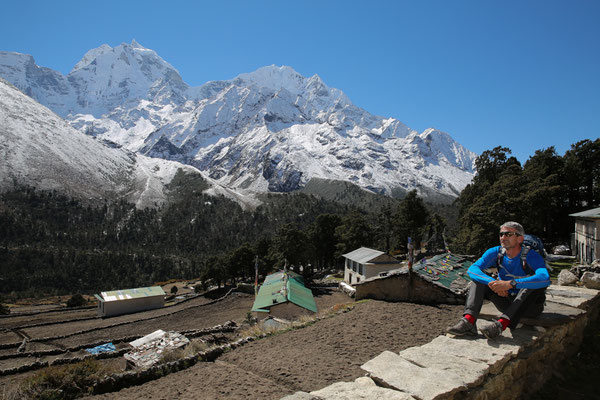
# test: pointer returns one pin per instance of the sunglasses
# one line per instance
(509, 234)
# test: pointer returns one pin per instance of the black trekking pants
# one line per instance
(526, 303)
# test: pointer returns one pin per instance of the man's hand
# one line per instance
(501, 288)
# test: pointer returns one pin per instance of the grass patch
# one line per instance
(65, 381)
(558, 266)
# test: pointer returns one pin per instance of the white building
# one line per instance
(128, 301)
(364, 263)
(586, 239)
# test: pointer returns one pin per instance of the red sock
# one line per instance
(470, 318)
(505, 322)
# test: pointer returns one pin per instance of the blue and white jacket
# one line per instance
(512, 268)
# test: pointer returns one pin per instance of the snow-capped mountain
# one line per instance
(269, 130)
(40, 149)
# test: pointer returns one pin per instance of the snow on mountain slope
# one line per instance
(40, 149)
(268, 130)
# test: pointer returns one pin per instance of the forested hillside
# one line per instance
(52, 244)
(540, 194)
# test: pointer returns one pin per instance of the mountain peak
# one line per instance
(268, 130)
(275, 78)
(136, 45)
(90, 56)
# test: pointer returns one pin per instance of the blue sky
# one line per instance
(521, 74)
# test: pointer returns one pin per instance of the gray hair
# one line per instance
(514, 225)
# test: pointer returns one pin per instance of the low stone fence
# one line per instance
(512, 366)
(123, 380)
(229, 326)
(95, 329)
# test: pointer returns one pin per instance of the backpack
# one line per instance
(530, 242)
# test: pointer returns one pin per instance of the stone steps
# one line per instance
(514, 364)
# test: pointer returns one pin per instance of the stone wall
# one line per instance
(400, 285)
(512, 366)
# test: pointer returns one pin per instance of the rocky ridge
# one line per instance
(269, 130)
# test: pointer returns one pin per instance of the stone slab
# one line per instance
(362, 388)
(390, 370)
(301, 396)
(493, 352)
(553, 314)
(470, 372)
(573, 296)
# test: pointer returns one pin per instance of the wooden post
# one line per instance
(256, 276)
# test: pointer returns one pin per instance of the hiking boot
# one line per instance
(463, 327)
(492, 330)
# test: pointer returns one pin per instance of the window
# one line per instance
(360, 269)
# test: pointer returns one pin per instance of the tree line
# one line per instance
(539, 194)
(53, 244)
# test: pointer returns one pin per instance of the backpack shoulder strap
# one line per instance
(526, 268)
(501, 253)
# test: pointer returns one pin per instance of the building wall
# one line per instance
(587, 240)
(401, 286)
(119, 307)
(288, 310)
(375, 269)
(355, 272)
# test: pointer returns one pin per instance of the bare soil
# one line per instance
(306, 359)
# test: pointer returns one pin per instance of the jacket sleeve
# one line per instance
(540, 279)
(488, 259)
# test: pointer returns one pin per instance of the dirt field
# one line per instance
(307, 359)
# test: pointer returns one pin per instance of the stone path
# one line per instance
(457, 368)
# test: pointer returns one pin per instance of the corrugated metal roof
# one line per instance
(363, 255)
(269, 293)
(300, 295)
(448, 270)
(126, 294)
(593, 213)
(281, 287)
(278, 276)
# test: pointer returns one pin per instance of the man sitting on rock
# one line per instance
(518, 291)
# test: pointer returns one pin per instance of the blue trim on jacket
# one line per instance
(513, 269)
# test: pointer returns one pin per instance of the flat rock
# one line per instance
(470, 372)
(553, 314)
(362, 388)
(493, 352)
(573, 296)
(391, 370)
(301, 396)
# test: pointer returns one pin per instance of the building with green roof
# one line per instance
(126, 301)
(283, 295)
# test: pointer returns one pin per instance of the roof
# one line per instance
(282, 287)
(278, 276)
(364, 255)
(447, 270)
(127, 294)
(592, 213)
